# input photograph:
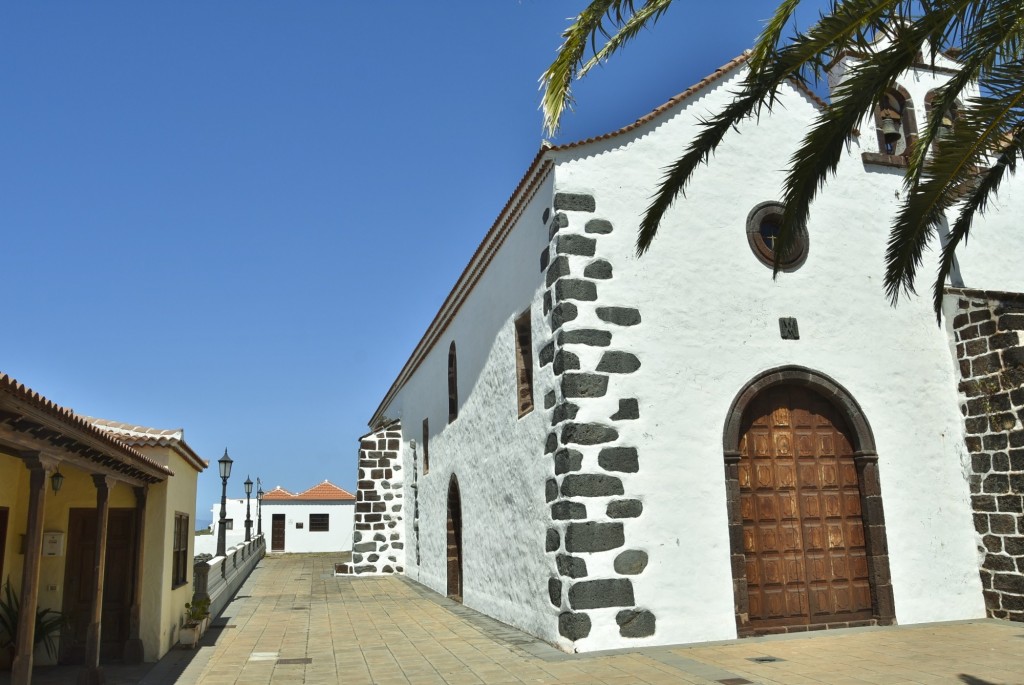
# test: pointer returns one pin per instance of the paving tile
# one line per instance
(391, 631)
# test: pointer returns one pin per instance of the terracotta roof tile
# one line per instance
(320, 492)
(278, 493)
(123, 449)
(142, 436)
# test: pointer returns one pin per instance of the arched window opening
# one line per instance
(524, 363)
(453, 384)
(426, 446)
(895, 123)
(948, 119)
(454, 539)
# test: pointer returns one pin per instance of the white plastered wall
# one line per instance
(235, 508)
(497, 456)
(710, 323)
(338, 537)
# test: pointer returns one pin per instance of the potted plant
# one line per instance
(48, 626)
(197, 618)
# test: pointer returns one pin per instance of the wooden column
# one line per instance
(91, 673)
(21, 669)
(134, 653)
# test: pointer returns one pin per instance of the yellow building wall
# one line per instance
(163, 606)
(13, 489)
(78, 491)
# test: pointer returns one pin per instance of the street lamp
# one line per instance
(248, 520)
(224, 463)
(259, 506)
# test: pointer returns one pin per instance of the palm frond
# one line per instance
(823, 146)
(993, 37)
(646, 16)
(758, 89)
(976, 203)
(557, 79)
(767, 43)
(986, 123)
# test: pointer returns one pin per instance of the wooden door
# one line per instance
(803, 534)
(277, 533)
(454, 541)
(3, 540)
(118, 583)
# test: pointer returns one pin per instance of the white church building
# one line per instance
(610, 451)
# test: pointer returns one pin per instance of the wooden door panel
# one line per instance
(3, 539)
(785, 475)
(277, 523)
(808, 472)
(118, 583)
(803, 533)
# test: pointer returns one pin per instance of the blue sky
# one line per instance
(239, 217)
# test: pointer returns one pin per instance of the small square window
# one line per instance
(319, 523)
(298, 525)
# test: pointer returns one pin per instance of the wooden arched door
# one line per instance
(800, 501)
(454, 540)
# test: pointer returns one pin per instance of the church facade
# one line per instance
(610, 451)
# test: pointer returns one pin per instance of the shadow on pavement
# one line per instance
(164, 672)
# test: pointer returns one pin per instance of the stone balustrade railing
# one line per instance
(219, 578)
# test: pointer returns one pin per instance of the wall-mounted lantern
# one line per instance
(57, 481)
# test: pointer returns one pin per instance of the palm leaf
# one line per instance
(976, 203)
(985, 125)
(641, 19)
(824, 145)
(557, 79)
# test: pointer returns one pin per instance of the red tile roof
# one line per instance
(326, 491)
(278, 493)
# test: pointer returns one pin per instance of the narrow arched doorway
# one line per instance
(454, 540)
(808, 540)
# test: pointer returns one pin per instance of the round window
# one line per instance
(764, 223)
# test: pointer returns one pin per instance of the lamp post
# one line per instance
(224, 463)
(259, 507)
(248, 519)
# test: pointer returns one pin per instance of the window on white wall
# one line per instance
(524, 364)
(229, 524)
(453, 384)
(319, 523)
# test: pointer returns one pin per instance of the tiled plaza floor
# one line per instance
(294, 622)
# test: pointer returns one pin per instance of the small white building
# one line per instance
(316, 520)
(206, 543)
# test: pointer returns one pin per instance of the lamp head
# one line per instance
(224, 463)
(248, 486)
(56, 480)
